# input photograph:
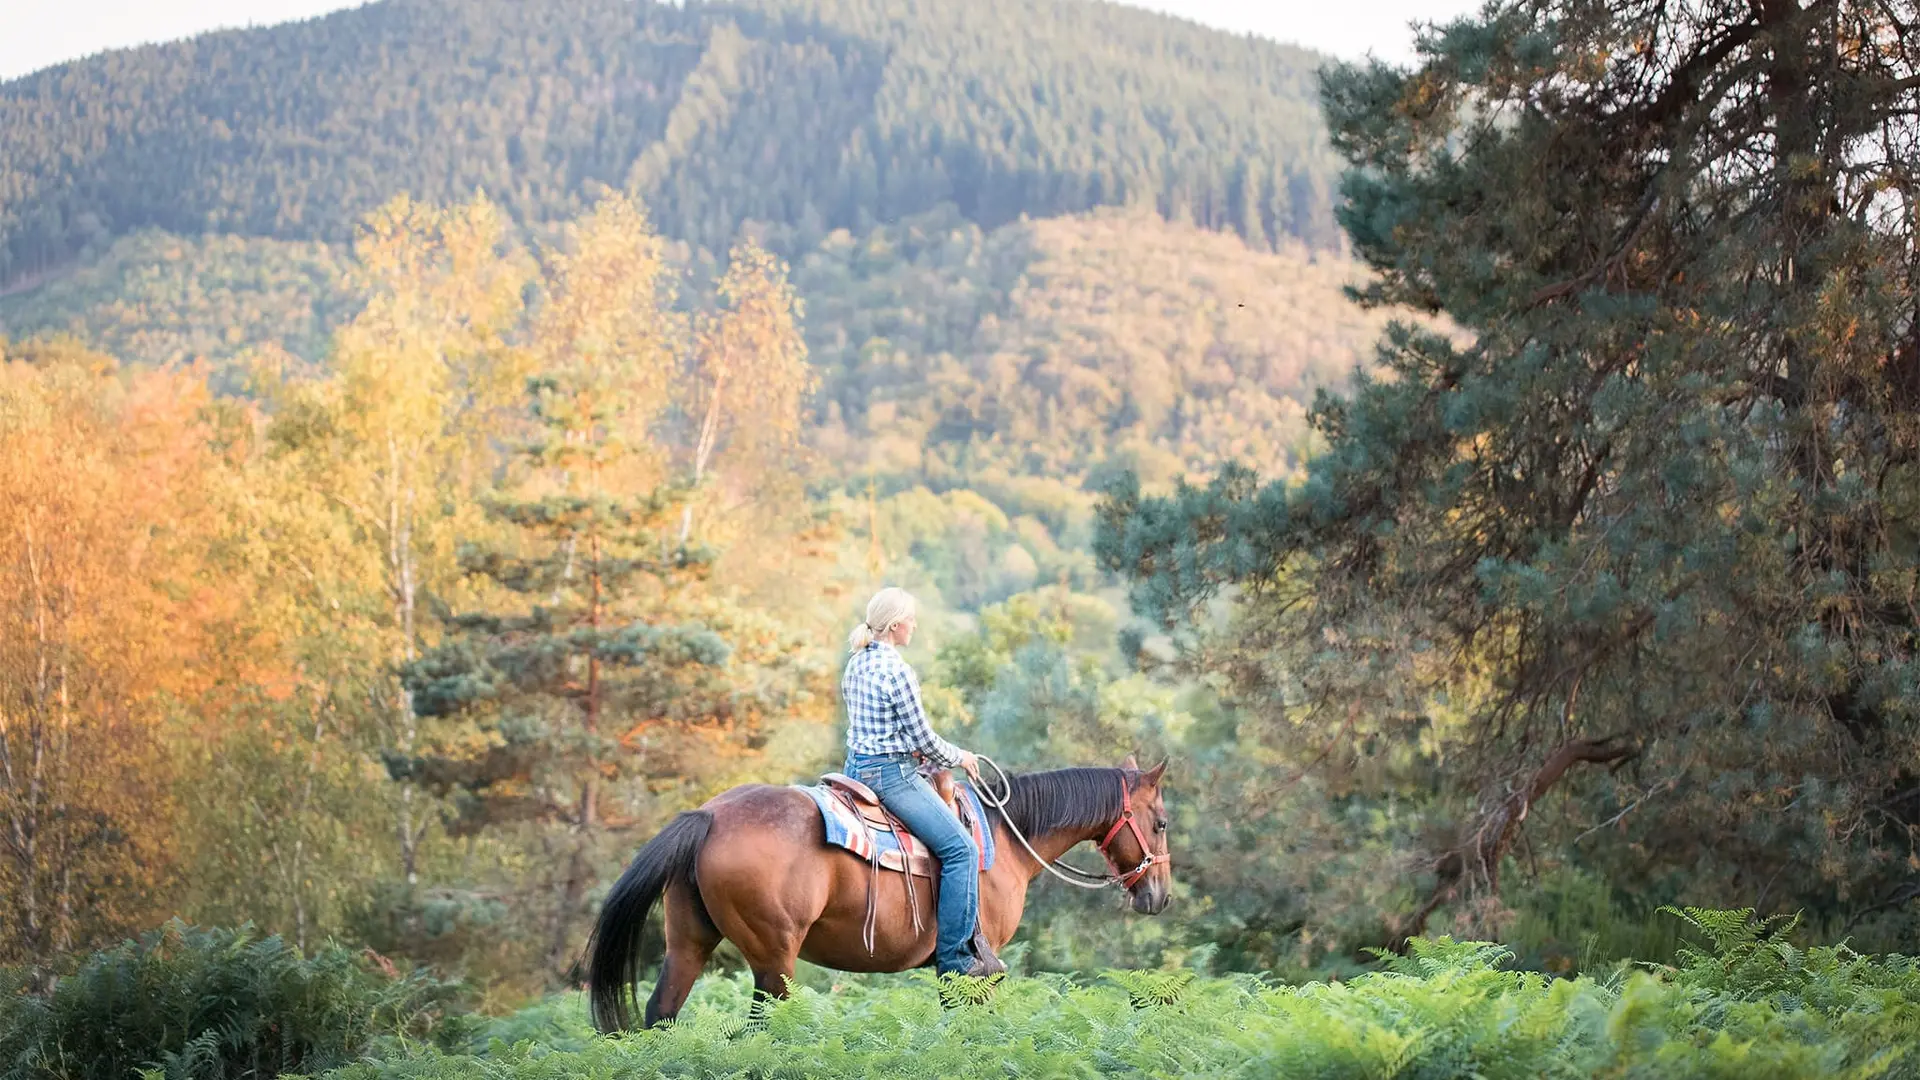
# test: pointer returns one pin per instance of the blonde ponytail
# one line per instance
(888, 608)
(861, 637)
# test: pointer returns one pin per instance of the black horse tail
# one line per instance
(613, 963)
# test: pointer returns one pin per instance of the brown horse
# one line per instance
(753, 867)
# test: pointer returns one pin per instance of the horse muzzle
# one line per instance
(1152, 897)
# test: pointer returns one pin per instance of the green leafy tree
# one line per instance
(1656, 514)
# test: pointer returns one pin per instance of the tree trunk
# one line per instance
(703, 448)
(25, 806)
(572, 891)
(588, 810)
(298, 869)
(1476, 862)
(575, 887)
(401, 581)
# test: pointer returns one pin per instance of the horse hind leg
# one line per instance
(691, 939)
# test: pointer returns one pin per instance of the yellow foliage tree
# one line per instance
(372, 468)
(110, 618)
(749, 375)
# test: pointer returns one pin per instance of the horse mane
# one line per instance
(1082, 798)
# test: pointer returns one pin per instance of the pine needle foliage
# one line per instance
(1741, 1004)
(1652, 510)
(189, 1003)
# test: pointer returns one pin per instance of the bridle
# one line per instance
(1126, 879)
(1148, 859)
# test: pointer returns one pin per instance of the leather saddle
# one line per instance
(868, 803)
(919, 860)
(916, 859)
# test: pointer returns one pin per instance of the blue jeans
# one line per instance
(897, 780)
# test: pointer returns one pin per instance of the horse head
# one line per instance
(1136, 845)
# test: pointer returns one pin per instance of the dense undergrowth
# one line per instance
(186, 1002)
(1746, 1004)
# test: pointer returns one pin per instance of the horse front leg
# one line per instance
(1003, 899)
(769, 985)
(771, 952)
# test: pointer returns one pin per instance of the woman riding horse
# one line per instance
(887, 738)
(753, 866)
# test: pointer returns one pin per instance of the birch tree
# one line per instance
(749, 374)
(393, 441)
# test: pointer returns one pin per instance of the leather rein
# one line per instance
(1126, 879)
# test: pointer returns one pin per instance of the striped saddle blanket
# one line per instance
(848, 828)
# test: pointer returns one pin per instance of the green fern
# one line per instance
(1747, 1003)
(1149, 988)
(1732, 931)
(957, 990)
(185, 1003)
(1447, 1009)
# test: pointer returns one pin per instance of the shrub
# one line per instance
(185, 1003)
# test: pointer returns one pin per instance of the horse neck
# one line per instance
(1050, 845)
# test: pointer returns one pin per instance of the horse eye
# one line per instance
(1160, 826)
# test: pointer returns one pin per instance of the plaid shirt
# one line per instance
(884, 715)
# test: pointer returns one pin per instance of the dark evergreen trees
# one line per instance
(799, 116)
(1658, 508)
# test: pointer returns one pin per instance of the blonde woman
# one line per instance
(887, 737)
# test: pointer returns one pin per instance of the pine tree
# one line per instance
(535, 694)
(1654, 509)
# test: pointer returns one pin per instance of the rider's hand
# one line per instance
(970, 764)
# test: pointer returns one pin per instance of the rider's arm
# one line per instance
(913, 720)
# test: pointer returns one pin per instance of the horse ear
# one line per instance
(1152, 776)
(1130, 764)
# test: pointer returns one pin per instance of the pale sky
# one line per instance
(39, 33)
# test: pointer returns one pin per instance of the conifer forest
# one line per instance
(441, 441)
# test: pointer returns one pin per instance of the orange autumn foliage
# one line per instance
(111, 612)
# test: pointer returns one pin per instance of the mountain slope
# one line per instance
(949, 354)
(156, 298)
(1052, 348)
(802, 115)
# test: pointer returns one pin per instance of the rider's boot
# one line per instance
(985, 963)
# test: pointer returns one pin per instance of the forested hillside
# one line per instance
(949, 354)
(1051, 348)
(157, 298)
(802, 116)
